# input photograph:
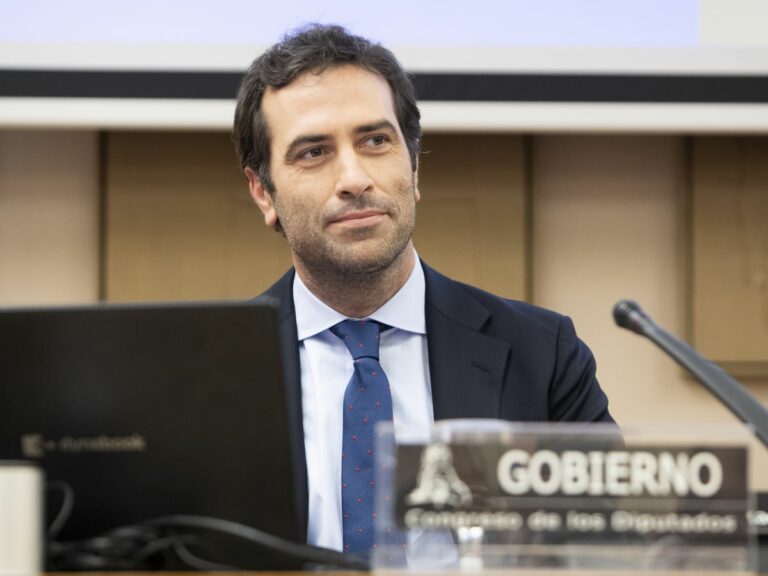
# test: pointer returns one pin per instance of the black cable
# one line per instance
(67, 503)
(306, 553)
(149, 544)
(126, 548)
(198, 563)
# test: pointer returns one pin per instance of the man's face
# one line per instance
(345, 191)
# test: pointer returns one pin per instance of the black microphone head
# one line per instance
(629, 315)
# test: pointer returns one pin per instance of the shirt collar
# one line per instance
(405, 310)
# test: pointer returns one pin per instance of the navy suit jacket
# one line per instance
(488, 358)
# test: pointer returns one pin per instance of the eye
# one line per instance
(376, 141)
(311, 153)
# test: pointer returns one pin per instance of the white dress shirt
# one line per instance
(326, 368)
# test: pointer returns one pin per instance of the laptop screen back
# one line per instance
(151, 410)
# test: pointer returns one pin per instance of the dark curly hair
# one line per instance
(315, 47)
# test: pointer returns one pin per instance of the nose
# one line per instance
(352, 178)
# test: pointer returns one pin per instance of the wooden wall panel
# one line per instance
(180, 221)
(472, 221)
(609, 215)
(181, 225)
(49, 218)
(730, 252)
(611, 222)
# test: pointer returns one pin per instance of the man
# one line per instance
(327, 130)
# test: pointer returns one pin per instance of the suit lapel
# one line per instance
(282, 291)
(467, 367)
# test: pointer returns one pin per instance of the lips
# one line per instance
(361, 216)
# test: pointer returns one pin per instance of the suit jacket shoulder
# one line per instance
(498, 358)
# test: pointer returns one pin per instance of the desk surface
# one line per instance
(419, 573)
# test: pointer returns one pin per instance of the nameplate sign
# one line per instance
(575, 490)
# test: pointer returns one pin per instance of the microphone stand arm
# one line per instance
(737, 398)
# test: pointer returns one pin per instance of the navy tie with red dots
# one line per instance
(367, 401)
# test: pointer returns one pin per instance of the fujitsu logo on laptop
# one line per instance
(37, 446)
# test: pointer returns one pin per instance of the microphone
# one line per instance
(628, 314)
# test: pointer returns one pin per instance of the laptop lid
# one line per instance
(151, 410)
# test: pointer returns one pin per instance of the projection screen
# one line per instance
(645, 65)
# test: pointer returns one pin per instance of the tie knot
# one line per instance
(361, 337)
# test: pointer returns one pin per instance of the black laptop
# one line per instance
(152, 410)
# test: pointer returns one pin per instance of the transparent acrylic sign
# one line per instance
(487, 494)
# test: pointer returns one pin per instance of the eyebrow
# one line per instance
(300, 141)
(365, 128)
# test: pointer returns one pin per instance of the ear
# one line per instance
(416, 192)
(262, 197)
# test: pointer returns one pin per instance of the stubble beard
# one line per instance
(348, 264)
